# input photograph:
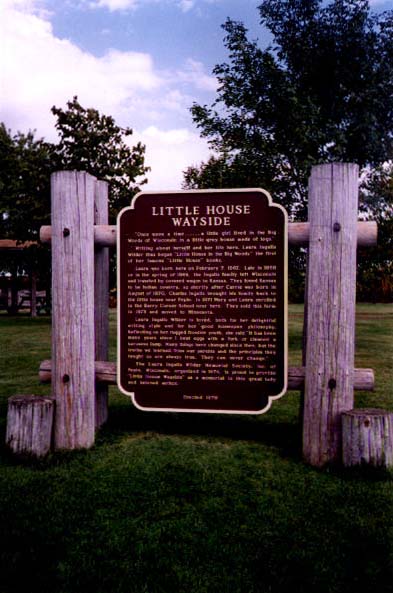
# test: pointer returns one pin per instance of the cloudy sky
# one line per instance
(142, 61)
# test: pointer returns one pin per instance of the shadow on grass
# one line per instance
(283, 435)
(125, 420)
(364, 473)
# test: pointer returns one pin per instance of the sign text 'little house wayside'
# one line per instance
(202, 301)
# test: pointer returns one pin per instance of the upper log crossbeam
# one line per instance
(298, 234)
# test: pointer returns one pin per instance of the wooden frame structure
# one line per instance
(79, 371)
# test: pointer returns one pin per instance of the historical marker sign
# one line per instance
(202, 305)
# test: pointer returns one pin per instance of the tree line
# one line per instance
(88, 141)
(321, 91)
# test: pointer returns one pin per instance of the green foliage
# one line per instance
(25, 167)
(339, 61)
(88, 141)
(322, 92)
(375, 269)
(94, 143)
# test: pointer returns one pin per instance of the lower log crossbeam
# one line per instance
(106, 373)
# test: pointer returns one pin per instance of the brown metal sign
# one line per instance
(202, 301)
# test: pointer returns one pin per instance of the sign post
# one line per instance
(202, 301)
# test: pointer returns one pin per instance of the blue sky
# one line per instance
(143, 61)
(163, 29)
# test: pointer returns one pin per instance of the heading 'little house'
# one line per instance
(213, 215)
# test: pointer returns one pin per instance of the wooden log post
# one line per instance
(101, 297)
(329, 381)
(73, 308)
(29, 425)
(367, 437)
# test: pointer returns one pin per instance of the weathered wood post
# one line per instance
(101, 296)
(367, 437)
(29, 425)
(329, 381)
(73, 309)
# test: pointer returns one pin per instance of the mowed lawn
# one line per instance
(172, 503)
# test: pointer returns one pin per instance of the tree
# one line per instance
(88, 141)
(25, 167)
(322, 92)
(375, 269)
(94, 143)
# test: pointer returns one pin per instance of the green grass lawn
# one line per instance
(172, 503)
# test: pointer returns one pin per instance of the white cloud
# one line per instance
(37, 7)
(122, 5)
(186, 5)
(113, 5)
(38, 70)
(169, 153)
(194, 73)
(24, 5)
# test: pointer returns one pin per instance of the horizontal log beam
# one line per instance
(298, 234)
(104, 235)
(12, 245)
(106, 373)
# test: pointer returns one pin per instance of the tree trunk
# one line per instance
(33, 295)
(13, 295)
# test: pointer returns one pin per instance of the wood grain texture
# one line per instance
(106, 373)
(73, 308)
(101, 299)
(329, 381)
(304, 339)
(29, 425)
(298, 234)
(367, 437)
